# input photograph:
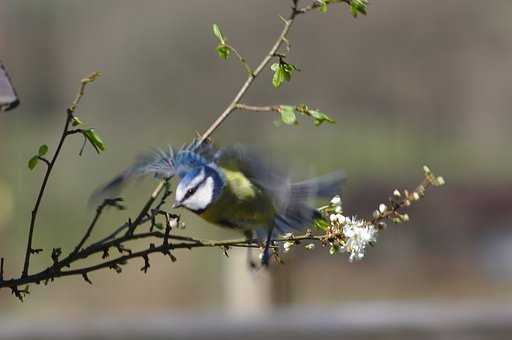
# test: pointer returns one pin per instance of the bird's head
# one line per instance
(198, 188)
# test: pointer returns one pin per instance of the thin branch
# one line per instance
(44, 160)
(40, 196)
(318, 4)
(35, 210)
(242, 60)
(250, 79)
(245, 107)
(146, 207)
(99, 211)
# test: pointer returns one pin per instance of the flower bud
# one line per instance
(336, 200)
(382, 208)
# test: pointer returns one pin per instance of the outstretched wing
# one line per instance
(257, 169)
(160, 164)
(8, 98)
(292, 201)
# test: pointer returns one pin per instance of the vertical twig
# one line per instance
(35, 210)
(69, 117)
(2, 269)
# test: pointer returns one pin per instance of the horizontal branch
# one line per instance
(185, 242)
(244, 107)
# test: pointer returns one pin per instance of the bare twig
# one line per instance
(44, 160)
(99, 211)
(245, 107)
(242, 60)
(70, 112)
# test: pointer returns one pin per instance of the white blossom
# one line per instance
(358, 234)
(310, 246)
(337, 218)
(382, 208)
(287, 246)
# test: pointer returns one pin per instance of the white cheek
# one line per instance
(182, 189)
(202, 197)
(180, 193)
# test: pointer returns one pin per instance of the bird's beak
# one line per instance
(176, 205)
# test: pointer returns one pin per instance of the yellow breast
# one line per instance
(241, 204)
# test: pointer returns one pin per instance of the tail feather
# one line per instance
(320, 187)
(297, 212)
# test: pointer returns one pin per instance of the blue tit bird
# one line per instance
(234, 188)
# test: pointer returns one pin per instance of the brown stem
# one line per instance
(69, 116)
(245, 107)
(42, 189)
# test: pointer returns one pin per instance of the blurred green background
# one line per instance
(413, 83)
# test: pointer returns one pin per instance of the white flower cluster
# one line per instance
(357, 233)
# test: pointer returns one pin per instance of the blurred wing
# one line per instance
(157, 163)
(259, 171)
(292, 201)
(8, 98)
(160, 164)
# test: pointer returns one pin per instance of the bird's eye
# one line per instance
(191, 191)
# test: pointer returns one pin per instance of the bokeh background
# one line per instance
(413, 83)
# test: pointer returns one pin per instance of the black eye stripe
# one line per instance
(191, 191)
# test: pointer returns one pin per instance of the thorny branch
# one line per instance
(65, 133)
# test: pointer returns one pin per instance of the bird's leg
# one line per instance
(266, 252)
(250, 262)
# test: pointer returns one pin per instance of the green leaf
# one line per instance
(278, 77)
(223, 51)
(320, 117)
(218, 34)
(43, 150)
(358, 6)
(323, 7)
(158, 226)
(288, 114)
(32, 162)
(321, 223)
(282, 71)
(75, 121)
(94, 139)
